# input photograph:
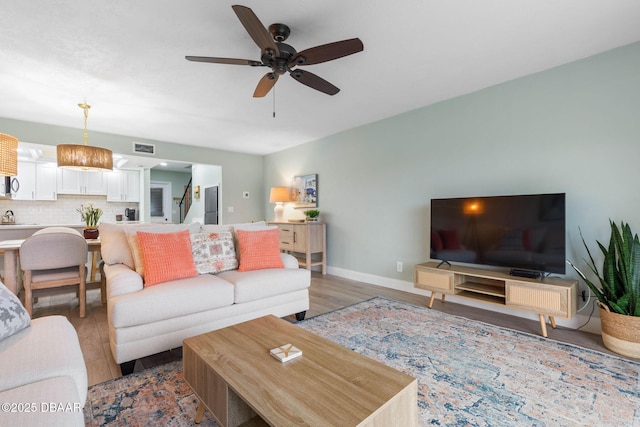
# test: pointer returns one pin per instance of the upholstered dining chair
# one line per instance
(54, 257)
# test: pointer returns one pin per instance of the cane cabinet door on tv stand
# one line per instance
(548, 297)
(306, 241)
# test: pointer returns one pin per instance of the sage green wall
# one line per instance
(573, 129)
(240, 172)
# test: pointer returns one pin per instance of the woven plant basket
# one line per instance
(620, 333)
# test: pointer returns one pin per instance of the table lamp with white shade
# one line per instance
(279, 195)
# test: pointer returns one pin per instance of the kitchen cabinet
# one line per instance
(46, 188)
(37, 181)
(71, 181)
(123, 185)
(27, 179)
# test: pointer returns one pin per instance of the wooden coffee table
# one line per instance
(235, 377)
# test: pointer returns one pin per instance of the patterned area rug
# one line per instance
(469, 374)
(154, 397)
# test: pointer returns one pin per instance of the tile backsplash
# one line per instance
(61, 211)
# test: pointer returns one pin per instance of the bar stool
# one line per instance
(54, 257)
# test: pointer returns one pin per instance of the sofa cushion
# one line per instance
(48, 348)
(213, 252)
(258, 225)
(215, 228)
(259, 249)
(121, 280)
(170, 299)
(53, 402)
(166, 256)
(114, 247)
(114, 242)
(13, 316)
(258, 284)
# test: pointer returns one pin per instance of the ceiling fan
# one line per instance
(283, 58)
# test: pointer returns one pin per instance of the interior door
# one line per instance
(211, 205)
(160, 201)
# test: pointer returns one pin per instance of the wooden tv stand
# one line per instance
(549, 297)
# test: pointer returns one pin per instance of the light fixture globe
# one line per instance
(84, 157)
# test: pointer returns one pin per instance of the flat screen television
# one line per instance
(522, 232)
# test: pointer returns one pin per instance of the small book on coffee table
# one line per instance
(285, 352)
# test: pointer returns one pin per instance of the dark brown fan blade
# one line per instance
(314, 82)
(231, 61)
(256, 30)
(265, 84)
(327, 52)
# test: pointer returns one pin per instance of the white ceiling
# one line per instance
(126, 59)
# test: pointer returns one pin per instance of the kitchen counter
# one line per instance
(26, 226)
(24, 230)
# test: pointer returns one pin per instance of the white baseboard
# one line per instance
(402, 285)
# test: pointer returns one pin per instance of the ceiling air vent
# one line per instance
(144, 148)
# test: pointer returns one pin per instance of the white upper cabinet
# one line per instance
(72, 181)
(27, 180)
(37, 181)
(123, 186)
(46, 188)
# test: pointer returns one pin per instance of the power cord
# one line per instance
(593, 307)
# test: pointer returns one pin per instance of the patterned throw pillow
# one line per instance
(166, 256)
(259, 249)
(13, 315)
(213, 252)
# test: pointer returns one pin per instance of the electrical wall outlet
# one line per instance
(399, 266)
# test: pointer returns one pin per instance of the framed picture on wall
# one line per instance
(304, 191)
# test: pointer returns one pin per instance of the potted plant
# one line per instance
(618, 292)
(312, 215)
(90, 216)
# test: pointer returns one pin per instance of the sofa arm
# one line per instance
(289, 261)
(121, 280)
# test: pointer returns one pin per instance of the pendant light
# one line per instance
(84, 157)
(8, 155)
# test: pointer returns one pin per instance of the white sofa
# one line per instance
(43, 378)
(148, 320)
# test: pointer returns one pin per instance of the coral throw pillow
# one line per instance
(259, 249)
(166, 256)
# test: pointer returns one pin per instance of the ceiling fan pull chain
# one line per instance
(274, 102)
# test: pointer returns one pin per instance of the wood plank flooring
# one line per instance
(327, 293)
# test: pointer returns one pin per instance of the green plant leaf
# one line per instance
(620, 278)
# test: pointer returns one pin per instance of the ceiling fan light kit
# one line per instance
(283, 58)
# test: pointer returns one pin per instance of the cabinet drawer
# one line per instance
(538, 299)
(432, 280)
(286, 238)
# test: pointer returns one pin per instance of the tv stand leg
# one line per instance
(431, 298)
(552, 320)
(543, 325)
